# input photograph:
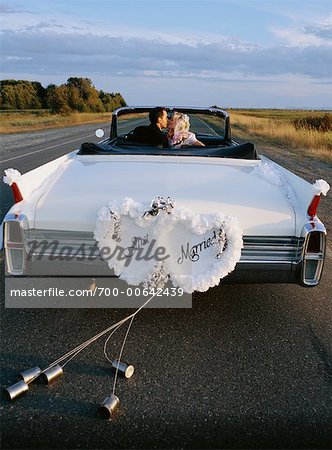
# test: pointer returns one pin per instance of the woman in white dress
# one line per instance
(178, 132)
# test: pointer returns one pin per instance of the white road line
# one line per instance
(46, 148)
(57, 145)
(208, 126)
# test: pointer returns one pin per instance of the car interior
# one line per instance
(209, 129)
(121, 146)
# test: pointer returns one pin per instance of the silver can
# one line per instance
(16, 390)
(109, 406)
(51, 374)
(31, 374)
(126, 370)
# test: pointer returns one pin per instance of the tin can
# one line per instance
(51, 374)
(16, 390)
(30, 374)
(109, 406)
(126, 370)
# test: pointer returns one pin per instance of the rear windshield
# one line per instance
(205, 124)
(200, 124)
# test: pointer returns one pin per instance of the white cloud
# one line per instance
(316, 33)
(296, 38)
(39, 23)
(51, 50)
(64, 51)
(17, 58)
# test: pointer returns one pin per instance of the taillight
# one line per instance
(313, 258)
(15, 244)
(315, 242)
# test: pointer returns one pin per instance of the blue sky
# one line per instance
(233, 53)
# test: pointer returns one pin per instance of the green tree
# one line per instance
(84, 85)
(27, 96)
(58, 100)
(76, 102)
(77, 94)
(7, 97)
(21, 94)
(89, 96)
(49, 95)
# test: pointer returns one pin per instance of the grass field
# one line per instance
(269, 126)
(275, 128)
(282, 114)
(27, 121)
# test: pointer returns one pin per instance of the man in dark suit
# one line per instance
(152, 133)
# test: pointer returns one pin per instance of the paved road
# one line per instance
(26, 151)
(247, 367)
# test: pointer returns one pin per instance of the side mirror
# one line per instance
(99, 133)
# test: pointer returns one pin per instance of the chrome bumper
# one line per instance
(264, 259)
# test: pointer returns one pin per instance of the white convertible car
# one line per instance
(196, 214)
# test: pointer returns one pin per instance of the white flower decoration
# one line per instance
(183, 234)
(11, 176)
(321, 187)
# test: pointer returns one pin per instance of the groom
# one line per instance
(152, 133)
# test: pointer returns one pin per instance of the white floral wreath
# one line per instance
(227, 247)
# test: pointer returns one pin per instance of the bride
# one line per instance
(178, 131)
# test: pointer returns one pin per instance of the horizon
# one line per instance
(327, 109)
(249, 55)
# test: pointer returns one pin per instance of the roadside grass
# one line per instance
(28, 121)
(281, 132)
(275, 128)
(282, 114)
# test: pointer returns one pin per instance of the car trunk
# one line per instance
(204, 185)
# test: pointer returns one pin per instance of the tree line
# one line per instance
(77, 94)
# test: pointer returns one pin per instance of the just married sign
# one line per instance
(164, 242)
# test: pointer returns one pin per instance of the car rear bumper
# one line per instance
(264, 259)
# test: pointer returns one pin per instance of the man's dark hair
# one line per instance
(155, 113)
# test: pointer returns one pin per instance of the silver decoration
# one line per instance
(221, 243)
(158, 277)
(160, 204)
(116, 226)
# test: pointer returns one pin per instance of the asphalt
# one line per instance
(249, 366)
